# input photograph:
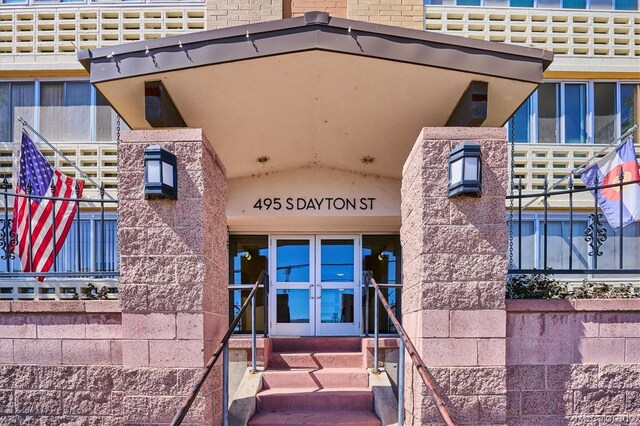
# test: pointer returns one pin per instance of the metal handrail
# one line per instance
(195, 388)
(425, 374)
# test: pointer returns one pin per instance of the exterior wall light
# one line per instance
(465, 170)
(160, 174)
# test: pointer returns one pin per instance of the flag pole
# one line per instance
(586, 162)
(26, 124)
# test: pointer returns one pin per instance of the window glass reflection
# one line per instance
(629, 100)
(292, 306)
(337, 261)
(248, 256)
(292, 261)
(337, 306)
(236, 299)
(575, 113)
(520, 122)
(381, 256)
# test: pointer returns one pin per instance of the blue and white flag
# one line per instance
(608, 170)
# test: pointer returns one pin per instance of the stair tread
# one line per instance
(315, 418)
(288, 391)
(317, 344)
(322, 351)
(316, 359)
(316, 370)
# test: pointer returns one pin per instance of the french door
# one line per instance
(314, 285)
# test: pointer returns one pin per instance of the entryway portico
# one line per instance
(311, 108)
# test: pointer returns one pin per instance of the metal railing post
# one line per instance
(401, 383)
(366, 304)
(225, 385)
(376, 336)
(253, 334)
(265, 304)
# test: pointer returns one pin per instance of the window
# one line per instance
(604, 112)
(521, 3)
(65, 110)
(574, 4)
(625, 4)
(548, 4)
(381, 255)
(248, 257)
(62, 111)
(577, 112)
(16, 100)
(548, 113)
(521, 123)
(629, 106)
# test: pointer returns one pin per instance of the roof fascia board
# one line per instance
(297, 35)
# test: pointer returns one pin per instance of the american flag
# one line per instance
(35, 242)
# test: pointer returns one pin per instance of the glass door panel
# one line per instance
(291, 275)
(337, 286)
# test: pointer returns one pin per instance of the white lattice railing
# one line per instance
(565, 32)
(65, 29)
(536, 162)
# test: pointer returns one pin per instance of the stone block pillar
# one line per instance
(173, 276)
(454, 265)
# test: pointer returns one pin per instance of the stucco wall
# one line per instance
(60, 363)
(573, 362)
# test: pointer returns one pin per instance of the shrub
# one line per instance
(539, 286)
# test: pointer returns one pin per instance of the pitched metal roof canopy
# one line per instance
(315, 30)
(314, 90)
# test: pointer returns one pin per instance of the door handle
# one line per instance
(320, 293)
(312, 292)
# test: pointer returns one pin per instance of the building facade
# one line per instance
(297, 157)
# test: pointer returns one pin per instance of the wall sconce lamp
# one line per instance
(465, 170)
(160, 174)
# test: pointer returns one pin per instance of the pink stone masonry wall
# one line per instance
(454, 269)
(60, 363)
(573, 362)
(173, 278)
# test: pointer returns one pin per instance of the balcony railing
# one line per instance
(87, 264)
(49, 3)
(63, 28)
(599, 33)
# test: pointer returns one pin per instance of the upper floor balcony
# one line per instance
(575, 35)
(47, 34)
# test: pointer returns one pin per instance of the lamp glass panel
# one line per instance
(167, 174)
(153, 171)
(471, 168)
(456, 171)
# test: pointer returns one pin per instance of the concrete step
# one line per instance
(314, 399)
(280, 360)
(315, 418)
(316, 344)
(309, 378)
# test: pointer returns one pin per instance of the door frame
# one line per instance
(290, 329)
(339, 329)
(314, 286)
